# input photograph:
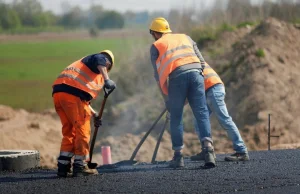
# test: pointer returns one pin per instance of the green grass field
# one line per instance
(27, 70)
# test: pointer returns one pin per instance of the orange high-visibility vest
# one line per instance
(211, 78)
(78, 75)
(174, 50)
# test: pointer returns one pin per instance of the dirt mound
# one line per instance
(20, 129)
(264, 78)
(6, 113)
(216, 52)
(23, 130)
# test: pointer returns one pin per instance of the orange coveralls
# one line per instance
(75, 119)
(75, 113)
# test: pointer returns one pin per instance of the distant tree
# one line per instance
(142, 17)
(50, 18)
(9, 18)
(72, 19)
(45, 19)
(136, 18)
(29, 12)
(129, 15)
(110, 19)
(94, 12)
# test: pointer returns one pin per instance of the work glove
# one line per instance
(109, 84)
(97, 121)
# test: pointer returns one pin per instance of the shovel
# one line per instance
(160, 137)
(131, 161)
(92, 165)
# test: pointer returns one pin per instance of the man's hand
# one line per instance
(109, 84)
(97, 120)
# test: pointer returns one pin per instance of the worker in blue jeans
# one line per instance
(179, 75)
(215, 98)
(178, 87)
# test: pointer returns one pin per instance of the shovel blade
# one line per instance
(92, 165)
(126, 163)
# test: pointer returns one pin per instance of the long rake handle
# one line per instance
(159, 140)
(96, 130)
(146, 135)
(106, 94)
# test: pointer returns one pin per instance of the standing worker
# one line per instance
(178, 73)
(215, 97)
(73, 90)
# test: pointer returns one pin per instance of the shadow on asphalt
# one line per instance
(19, 179)
(30, 176)
(148, 167)
(48, 172)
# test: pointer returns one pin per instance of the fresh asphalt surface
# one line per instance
(266, 172)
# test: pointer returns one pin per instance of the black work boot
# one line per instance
(63, 169)
(177, 161)
(209, 157)
(64, 166)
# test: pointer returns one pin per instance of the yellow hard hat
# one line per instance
(160, 25)
(109, 53)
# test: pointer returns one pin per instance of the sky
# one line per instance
(124, 5)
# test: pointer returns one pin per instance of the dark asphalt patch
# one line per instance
(266, 172)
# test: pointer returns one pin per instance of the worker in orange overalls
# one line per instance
(73, 90)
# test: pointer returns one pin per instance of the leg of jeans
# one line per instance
(196, 125)
(177, 95)
(216, 100)
(197, 101)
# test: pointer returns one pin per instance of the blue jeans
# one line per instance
(215, 97)
(188, 85)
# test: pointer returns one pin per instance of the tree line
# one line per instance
(30, 14)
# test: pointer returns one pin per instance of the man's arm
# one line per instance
(102, 64)
(103, 71)
(197, 51)
(154, 56)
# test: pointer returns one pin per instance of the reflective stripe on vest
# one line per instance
(174, 50)
(78, 75)
(85, 76)
(77, 79)
(211, 78)
(170, 51)
(173, 59)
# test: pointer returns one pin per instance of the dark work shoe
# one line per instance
(63, 170)
(83, 171)
(237, 157)
(177, 161)
(209, 157)
(200, 156)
